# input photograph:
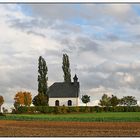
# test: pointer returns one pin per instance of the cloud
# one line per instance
(19, 58)
(66, 11)
(101, 41)
(70, 11)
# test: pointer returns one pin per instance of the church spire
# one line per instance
(75, 79)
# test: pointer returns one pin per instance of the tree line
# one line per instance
(24, 98)
(113, 101)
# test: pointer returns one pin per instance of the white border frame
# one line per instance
(69, 1)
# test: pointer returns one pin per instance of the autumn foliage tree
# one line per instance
(22, 99)
(1, 102)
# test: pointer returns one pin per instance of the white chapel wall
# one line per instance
(63, 101)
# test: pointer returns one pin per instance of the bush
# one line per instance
(118, 109)
(137, 109)
(87, 109)
(106, 109)
(22, 109)
(92, 109)
(82, 109)
(59, 110)
(63, 109)
(1, 114)
(98, 109)
(31, 109)
(72, 109)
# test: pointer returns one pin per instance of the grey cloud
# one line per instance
(69, 11)
(30, 23)
(120, 13)
(69, 45)
(66, 28)
(111, 75)
(80, 44)
(113, 37)
(54, 11)
(51, 15)
(120, 57)
(23, 76)
(87, 44)
(35, 33)
(17, 79)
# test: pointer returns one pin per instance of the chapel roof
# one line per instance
(64, 90)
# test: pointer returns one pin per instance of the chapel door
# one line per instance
(69, 103)
(57, 103)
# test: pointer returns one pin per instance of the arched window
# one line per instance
(69, 103)
(57, 103)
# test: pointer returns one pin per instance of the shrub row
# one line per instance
(82, 109)
(1, 114)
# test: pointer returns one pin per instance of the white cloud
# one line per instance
(105, 61)
(128, 78)
(19, 53)
(119, 11)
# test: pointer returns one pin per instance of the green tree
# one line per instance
(40, 100)
(66, 68)
(114, 101)
(128, 101)
(85, 99)
(1, 102)
(42, 84)
(16, 105)
(42, 77)
(105, 100)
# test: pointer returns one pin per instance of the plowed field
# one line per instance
(69, 129)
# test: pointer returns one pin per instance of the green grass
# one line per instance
(81, 117)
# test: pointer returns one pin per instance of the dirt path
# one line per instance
(69, 129)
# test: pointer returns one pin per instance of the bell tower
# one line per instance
(75, 79)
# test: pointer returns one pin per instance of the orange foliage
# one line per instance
(1, 100)
(23, 98)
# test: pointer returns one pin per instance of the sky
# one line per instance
(101, 40)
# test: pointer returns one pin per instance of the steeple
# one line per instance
(75, 79)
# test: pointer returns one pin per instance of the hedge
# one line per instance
(81, 109)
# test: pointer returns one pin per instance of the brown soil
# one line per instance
(68, 129)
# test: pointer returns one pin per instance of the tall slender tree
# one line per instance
(66, 68)
(42, 98)
(42, 77)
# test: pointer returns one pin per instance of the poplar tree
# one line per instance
(42, 98)
(42, 77)
(66, 68)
